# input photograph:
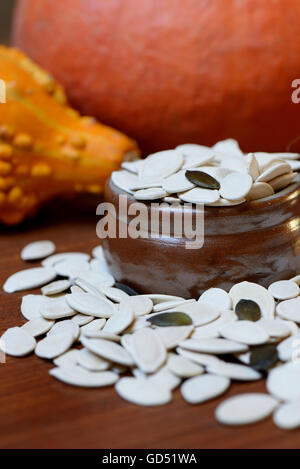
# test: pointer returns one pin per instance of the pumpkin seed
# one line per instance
(245, 332)
(29, 279)
(37, 250)
(170, 319)
(234, 371)
(283, 181)
(37, 326)
(54, 345)
(147, 350)
(236, 186)
(77, 376)
(274, 171)
(254, 292)
(287, 415)
(67, 359)
(139, 304)
(200, 313)
(143, 392)
(183, 367)
(283, 382)
(66, 326)
(263, 357)
(108, 350)
(201, 179)
(82, 319)
(164, 378)
(31, 306)
(200, 196)
(152, 193)
(114, 294)
(56, 287)
(200, 358)
(204, 388)
(287, 347)
(216, 297)
(120, 320)
(177, 183)
(85, 303)
(260, 190)
(252, 166)
(289, 309)
(91, 362)
(284, 290)
(160, 165)
(55, 258)
(245, 409)
(172, 336)
(124, 180)
(165, 305)
(247, 310)
(56, 308)
(17, 342)
(211, 331)
(94, 326)
(215, 346)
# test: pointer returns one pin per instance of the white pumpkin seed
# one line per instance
(82, 319)
(215, 346)
(120, 320)
(108, 350)
(124, 180)
(254, 292)
(284, 382)
(163, 378)
(77, 376)
(236, 186)
(228, 147)
(200, 313)
(260, 190)
(177, 183)
(91, 305)
(37, 250)
(216, 297)
(31, 306)
(284, 290)
(70, 268)
(252, 166)
(211, 331)
(143, 392)
(287, 416)
(133, 166)
(88, 287)
(93, 326)
(75, 256)
(92, 362)
(283, 181)
(204, 388)
(54, 345)
(275, 328)
(200, 196)
(56, 287)
(158, 298)
(173, 335)
(140, 305)
(274, 171)
(289, 309)
(165, 305)
(56, 308)
(287, 349)
(147, 350)
(183, 367)
(160, 165)
(234, 371)
(245, 332)
(245, 409)
(114, 294)
(37, 326)
(200, 358)
(151, 193)
(17, 342)
(67, 359)
(29, 279)
(66, 326)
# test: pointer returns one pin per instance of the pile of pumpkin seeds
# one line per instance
(218, 176)
(99, 332)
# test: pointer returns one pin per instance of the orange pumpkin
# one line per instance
(174, 71)
(46, 147)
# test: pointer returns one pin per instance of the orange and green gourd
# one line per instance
(46, 147)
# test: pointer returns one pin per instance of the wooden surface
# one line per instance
(37, 411)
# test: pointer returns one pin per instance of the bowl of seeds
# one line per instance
(245, 208)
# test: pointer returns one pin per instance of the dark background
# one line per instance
(6, 8)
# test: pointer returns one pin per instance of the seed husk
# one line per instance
(171, 319)
(248, 310)
(201, 179)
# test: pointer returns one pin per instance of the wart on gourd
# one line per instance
(46, 147)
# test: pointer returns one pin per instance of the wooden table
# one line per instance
(37, 411)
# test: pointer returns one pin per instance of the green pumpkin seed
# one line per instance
(248, 310)
(171, 319)
(263, 357)
(201, 179)
(130, 291)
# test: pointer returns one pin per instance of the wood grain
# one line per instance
(38, 412)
